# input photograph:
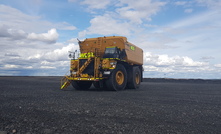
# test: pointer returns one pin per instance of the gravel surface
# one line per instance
(34, 105)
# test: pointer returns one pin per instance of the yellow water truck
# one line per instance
(110, 63)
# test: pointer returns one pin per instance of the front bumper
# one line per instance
(83, 79)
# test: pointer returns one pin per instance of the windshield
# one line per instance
(111, 52)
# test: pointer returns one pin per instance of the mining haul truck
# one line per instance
(110, 63)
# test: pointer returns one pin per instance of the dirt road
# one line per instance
(36, 105)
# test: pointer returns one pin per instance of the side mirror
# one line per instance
(70, 56)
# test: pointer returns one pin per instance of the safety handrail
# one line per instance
(64, 81)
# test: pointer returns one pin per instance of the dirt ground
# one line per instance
(34, 105)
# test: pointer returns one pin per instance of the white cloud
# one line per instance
(93, 6)
(187, 61)
(11, 66)
(158, 65)
(37, 61)
(180, 3)
(198, 19)
(96, 4)
(24, 44)
(207, 58)
(152, 41)
(188, 10)
(106, 25)
(214, 4)
(165, 60)
(137, 11)
(72, 40)
(72, 0)
(14, 34)
(218, 65)
(51, 36)
(132, 15)
(64, 26)
(15, 19)
(15, 55)
(124, 19)
(195, 36)
(47, 67)
(59, 54)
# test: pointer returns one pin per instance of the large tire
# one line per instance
(80, 85)
(117, 79)
(134, 78)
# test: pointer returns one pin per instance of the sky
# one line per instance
(180, 38)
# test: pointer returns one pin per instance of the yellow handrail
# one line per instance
(65, 81)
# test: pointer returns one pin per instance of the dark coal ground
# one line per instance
(33, 105)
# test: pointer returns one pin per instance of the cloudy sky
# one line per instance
(180, 38)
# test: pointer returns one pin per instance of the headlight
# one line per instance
(113, 66)
(106, 72)
(113, 63)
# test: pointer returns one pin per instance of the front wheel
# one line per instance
(117, 79)
(79, 85)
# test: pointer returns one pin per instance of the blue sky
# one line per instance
(180, 38)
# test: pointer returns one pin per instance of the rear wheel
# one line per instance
(134, 78)
(117, 79)
(80, 85)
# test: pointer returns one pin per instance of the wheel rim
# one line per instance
(119, 77)
(137, 78)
